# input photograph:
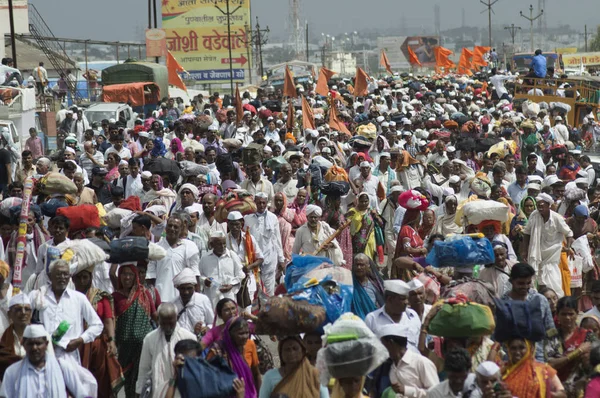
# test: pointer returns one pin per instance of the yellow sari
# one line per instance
(529, 378)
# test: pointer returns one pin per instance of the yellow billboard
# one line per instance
(578, 59)
(566, 50)
(197, 37)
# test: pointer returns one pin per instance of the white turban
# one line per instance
(34, 331)
(487, 369)
(194, 208)
(185, 277)
(19, 299)
(544, 197)
(261, 195)
(69, 149)
(314, 209)
(192, 188)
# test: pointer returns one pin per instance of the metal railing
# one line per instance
(51, 48)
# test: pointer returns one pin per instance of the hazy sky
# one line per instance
(124, 20)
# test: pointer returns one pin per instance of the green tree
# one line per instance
(595, 43)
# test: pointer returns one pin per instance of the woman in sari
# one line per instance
(518, 223)
(568, 172)
(285, 217)
(100, 356)
(409, 242)
(134, 311)
(333, 215)
(368, 286)
(159, 194)
(427, 224)
(239, 352)
(175, 149)
(445, 223)
(112, 165)
(225, 310)
(299, 208)
(296, 377)
(527, 378)
(565, 352)
(366, 229)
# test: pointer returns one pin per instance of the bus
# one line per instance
(521, 62)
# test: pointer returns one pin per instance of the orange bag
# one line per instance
(336, 173)
(81, 217)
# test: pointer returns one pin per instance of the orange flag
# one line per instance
(478, 53)
(385, 62)
(173, 67)
(334, 122)
(324, 76)
(361, 83)
(290, 117)
(441, 58)
(465, 64)
(308, 117)
(289, 90)
(413, 59)
(239, 111)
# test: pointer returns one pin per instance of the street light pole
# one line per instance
(13, 42)
(229, 13)
(489, 5)
(531, 18)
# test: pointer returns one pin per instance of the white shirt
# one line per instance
(224, 270)
(40, 74)
(133, 186)
(591, 175)
(73, 307)
(204, 229)
(264, 228)
(370, 185)
(88, 165)
(410, 320)
(263, 185)
(442, 390)
(498, 82)
(124, 153)
(561, 133)
(288, 188)
(183, 255)
(416, 372)
(198, 309)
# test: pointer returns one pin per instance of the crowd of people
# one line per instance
(232, 190)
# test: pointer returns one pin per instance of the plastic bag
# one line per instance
(461, 252)
(199, 378)
(581, 246)
(301, 265)
(575, 268)
(335, 304)
(351, 350)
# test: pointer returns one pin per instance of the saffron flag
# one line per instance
(308, 118)
(361, 83)
(239, 111)
(289, 90)
(441, 58)
(413, 59)
(173, 68)
(324, 76)
(478, 53)
(385, 62)
(465, 64)
(334, 122)
(290, 117)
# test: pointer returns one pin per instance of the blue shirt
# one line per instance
(539, 65)
(517, 193)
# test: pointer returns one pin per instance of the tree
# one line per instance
(595, 44)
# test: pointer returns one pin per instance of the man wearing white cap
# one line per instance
(387, 209)
(221, 270)
(561, 132)
(396, 310)
(416, 299)
(370, 184)
(41, 374)
(311, 236)
(194, 310)
(264, 227)
(239, 242)
(488, 382)
(57, 303)
(207, 223)
(438, 156)
(411, 374)
(181, 253)
(384, 172)
(542, 245)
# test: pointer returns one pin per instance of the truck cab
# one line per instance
(122, 113)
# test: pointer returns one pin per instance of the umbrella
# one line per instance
(164, 166)
(341, 275)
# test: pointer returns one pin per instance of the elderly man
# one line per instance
(221, 270)
(542, 245)
(488, 382)
(244, 245)
(186, 196)
(181, 253)
(395, 310)
(370, 184)
(207, 224)
(387, 210)
(311, 236)
(90, 157)
(256, 182)
(264, 227)
(194, 310)
(286, 183)
(156, 361)
(57, 303)
(42, 166)
(410, 374)
(41, 374)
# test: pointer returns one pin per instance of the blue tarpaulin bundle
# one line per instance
(461, 252)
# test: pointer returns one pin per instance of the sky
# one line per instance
(124, 20)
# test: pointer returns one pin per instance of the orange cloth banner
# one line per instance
(289, 89)
(324, 76)
(308, 118)
(385, 62)
(174, 68)
(361, 83)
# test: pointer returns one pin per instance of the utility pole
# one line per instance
(489, 4)
(155, 22)
(248, 43)
(229, 14)
(260, 39)
(531, 19)
(306, 40)
(585, 35)
(513, 32)
(13, 42)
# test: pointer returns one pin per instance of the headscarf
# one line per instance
(159, 148)
(486, 223)
(522, 215)
(406, 160)
(581, 211)
(302, 381)
(238, 362)
(528, 378)
(137, 292)
(445, 223)
(424, 231)
(179, 145)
